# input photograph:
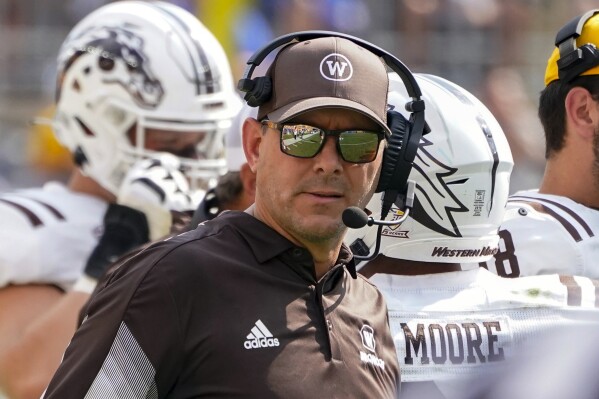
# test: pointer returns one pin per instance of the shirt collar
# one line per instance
(266, 243)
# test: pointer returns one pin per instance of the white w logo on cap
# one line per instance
(338, 67)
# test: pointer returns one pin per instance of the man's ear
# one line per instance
(252, 137)
(248, 179)
(582, 112)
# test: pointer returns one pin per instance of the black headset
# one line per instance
(406, 134)
(575, 60)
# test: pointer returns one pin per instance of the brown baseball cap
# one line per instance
(328, 72)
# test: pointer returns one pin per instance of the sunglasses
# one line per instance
(305, 141)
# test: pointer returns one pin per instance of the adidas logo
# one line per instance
(260, 337)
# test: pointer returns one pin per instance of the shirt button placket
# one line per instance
(333, 344)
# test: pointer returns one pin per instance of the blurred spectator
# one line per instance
(504, 92)
(480, 45)
(462, 40)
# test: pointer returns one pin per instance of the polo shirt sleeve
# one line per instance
(130, 336)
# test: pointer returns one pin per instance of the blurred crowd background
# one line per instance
(497, 49)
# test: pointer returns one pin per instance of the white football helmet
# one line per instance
(461, 173)
(133, 65)
(234, 139)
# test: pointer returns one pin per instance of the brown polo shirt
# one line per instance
(231, 309)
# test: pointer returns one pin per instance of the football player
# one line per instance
(452, 320)
(555, 228)
(144, 98)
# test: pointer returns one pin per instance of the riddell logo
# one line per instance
(392, 231)
(260, 337)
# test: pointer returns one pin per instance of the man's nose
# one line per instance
(329, 159)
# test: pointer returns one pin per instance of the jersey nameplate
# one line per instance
(438, 348)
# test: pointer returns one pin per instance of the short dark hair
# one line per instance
(552, 109)
(229, 187)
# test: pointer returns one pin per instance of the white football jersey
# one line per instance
(544, 234)
(47, 234)
(450, 328)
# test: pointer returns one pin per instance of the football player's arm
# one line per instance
(30, 288)
(21, 248)
(20, 305)
(28, 364)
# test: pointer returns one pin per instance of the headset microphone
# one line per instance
(355, 218)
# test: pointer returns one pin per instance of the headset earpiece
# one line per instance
(397, 159)
(574, 60)
(399, 129)
(260, 91)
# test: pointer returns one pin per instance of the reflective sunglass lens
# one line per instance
(358, 146)
(305, 141)
(301, 141)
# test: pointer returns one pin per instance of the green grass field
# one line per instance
(304, 147)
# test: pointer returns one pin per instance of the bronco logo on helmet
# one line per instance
(121, 57)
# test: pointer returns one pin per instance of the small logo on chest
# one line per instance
(368, 342)
(260, 337)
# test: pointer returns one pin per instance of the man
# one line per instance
(136, 81)
(555, 229)
(262, 303)
(235, 190)
(452, 321)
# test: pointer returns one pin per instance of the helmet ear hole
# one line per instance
(105, 63)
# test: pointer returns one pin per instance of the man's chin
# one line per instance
(321, 227)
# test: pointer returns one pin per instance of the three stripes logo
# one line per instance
(260, 337)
